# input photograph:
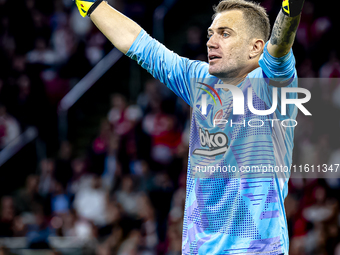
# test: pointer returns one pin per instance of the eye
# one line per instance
(209, 35)
(225, 34)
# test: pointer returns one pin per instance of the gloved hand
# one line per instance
(86, 7)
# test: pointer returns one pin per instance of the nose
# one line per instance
(212, 42)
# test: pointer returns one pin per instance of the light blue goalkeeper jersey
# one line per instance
(231, 210)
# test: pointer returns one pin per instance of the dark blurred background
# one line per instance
(105, 173)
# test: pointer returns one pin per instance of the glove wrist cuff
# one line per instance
(94, 6)
(292, 8)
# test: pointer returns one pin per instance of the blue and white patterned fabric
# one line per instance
(237, 212)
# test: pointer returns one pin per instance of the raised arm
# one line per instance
(285, 27)
(174, 71)
(118, 28)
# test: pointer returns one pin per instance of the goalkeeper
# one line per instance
(225, 215)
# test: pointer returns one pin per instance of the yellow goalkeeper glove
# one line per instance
(292, 8)
(86, 7)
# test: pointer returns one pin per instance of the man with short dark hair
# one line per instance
(230, 209)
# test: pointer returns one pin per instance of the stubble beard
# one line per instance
(230, 69)
(225, 72)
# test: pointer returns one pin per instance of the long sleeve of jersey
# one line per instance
(281, 68)
(174, 71)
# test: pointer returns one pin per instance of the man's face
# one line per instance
(228, 45)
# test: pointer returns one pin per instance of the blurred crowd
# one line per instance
(126, 194)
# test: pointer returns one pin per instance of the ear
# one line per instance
(256, 48)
